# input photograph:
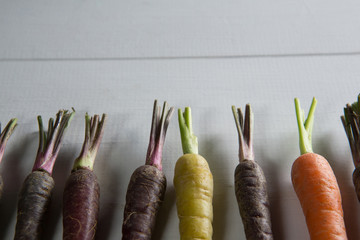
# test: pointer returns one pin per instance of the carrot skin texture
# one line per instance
(81, 205)
(193, 184)
(144, 197)
(319, 194)
(33, 202)
(252, 198)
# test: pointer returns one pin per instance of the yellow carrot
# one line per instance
(193, 184)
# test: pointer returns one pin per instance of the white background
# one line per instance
(116, 57)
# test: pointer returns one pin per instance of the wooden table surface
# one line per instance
(118, 56)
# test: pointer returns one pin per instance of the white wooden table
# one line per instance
(118, 56)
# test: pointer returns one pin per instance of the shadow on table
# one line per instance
(122, 152)
(214, 156)
(164, 212)
(61, 172)
(272, 170)
(13, 178)
(274, 164)
(108, 211)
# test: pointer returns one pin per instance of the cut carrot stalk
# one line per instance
(351, 123)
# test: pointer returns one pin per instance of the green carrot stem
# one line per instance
(94, 131)
(351, 123)
(188, 139)
(305, 126)
(5, 135)
(245, 131)
(49, 144)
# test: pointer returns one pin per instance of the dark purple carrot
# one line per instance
(147, 184)
(250, 182)
(4, 136)
(82, 191)
(36, 190)
(351, 123)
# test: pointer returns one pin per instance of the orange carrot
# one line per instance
(316, 186)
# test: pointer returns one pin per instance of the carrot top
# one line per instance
(49, 143)
(94, 130)
(305, 125)
(188, 139)
(351, 123)
(5, 135)
(159, 125)
(245, 131)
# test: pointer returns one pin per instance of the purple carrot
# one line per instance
(35, 193)
(82, 191)
(4, 136)
(250, 182)
(147, 184)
